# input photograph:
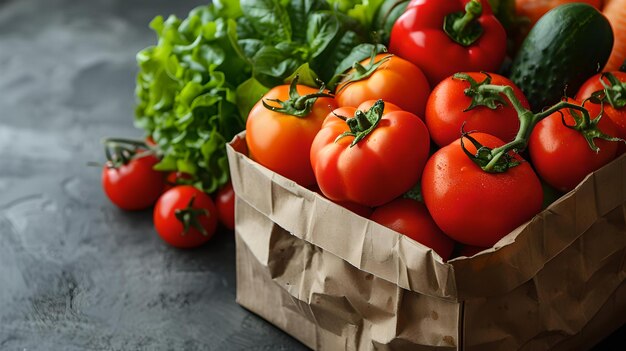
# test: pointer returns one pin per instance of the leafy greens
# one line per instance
(196, 86)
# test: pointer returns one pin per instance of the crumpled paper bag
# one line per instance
(337, 281)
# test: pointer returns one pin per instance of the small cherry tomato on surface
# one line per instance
(386, 77)
(371, 158)
(614, 99)
(134, 185)
(411, 218)
(475, 207)
(225, 203)
(455, 104)
(445, 37)
(561, 153)
(281, 127)
(185, 217)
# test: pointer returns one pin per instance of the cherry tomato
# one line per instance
(135, 185)
(411, 218)
(475, 207)
(225, 203)
(382, 158)
(616, 115)
(281, 141)
(562, 156)
(396, 81)
(446, 111)
(185, 217)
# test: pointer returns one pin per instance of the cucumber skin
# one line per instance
(568, 45)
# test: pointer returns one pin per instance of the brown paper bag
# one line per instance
(337, 281)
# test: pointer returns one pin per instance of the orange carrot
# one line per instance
(615, 11)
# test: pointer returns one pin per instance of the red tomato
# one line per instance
(380, 167)
(225, 202)
(616, 115)
(176, 178)
(185, 203)
(397, 81)
(419, 36)
(445, 111)
(475, 207)
(411, 218)
(135, 185)
(281, 142)
(562, 156)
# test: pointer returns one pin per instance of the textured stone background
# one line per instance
(75, 272)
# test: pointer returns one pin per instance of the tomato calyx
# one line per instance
(120, 152)
(463, 27)
(480, 97)
(588, 127)
(363, 123)
(486, 159)
(188, 216)
(614, 92)
(364, 71)
(297, 105)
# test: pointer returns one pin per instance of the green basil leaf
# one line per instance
(299, 13)
(269, 18)
(306, 76)
(322, 29)
(358, 54)
(248, 94)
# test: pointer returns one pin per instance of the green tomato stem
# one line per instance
(527, 119)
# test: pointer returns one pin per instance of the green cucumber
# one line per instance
(568, 44)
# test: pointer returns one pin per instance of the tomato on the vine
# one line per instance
(456, 103)
(563, 155)
(411, 218)
(225, 203)
(185, 217)
(473, 206)
(386, 77)
(369, 157)
(281, 128)
(614, 105)
(134, 185)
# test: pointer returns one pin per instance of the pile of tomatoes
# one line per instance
(184, 216)
(462, 144)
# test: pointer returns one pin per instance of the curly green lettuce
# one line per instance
(196, 86)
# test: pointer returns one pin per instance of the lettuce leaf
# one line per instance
(196, 86)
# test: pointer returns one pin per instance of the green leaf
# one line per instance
(299, 13)
(322, 29)
(248, 94)
(358, 54)
(269, 18)
(271, 64)
(306, 76)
